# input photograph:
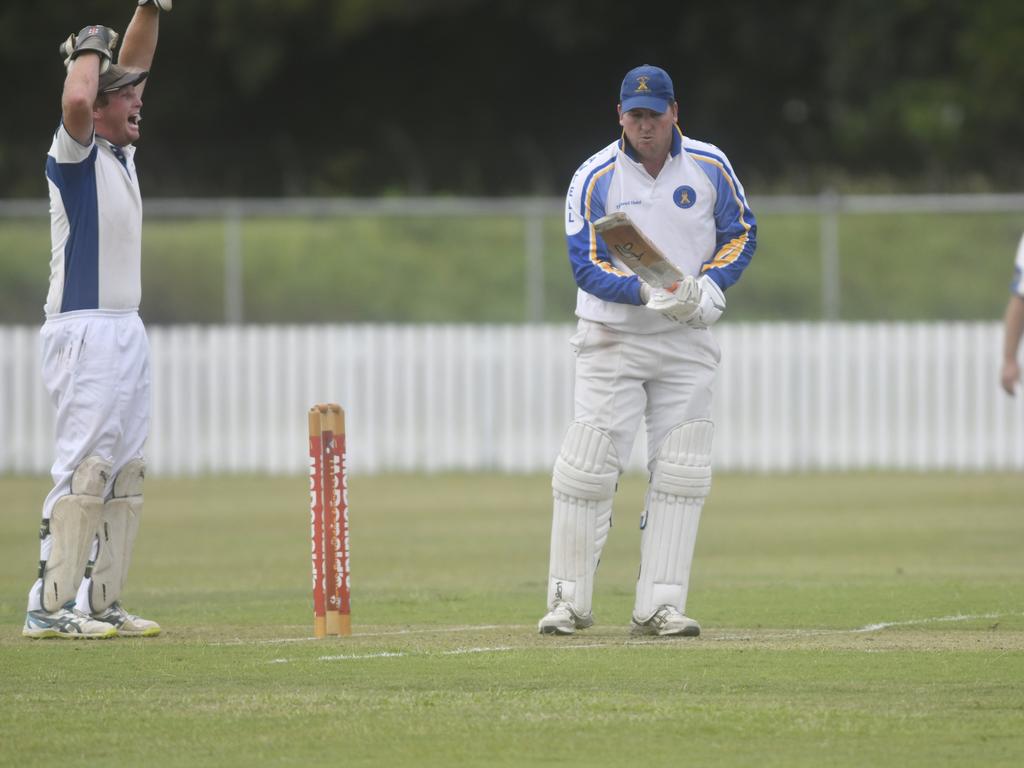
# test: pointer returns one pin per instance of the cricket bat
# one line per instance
(637, 252)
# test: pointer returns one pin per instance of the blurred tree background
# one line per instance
(507, 97)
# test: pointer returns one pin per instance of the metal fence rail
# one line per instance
(828, 207)
(791, 397)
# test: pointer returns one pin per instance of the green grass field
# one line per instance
(849, 620)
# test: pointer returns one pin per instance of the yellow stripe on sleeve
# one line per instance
(605, 266)
(729, 252)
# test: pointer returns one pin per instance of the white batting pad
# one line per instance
(73, 524)
(680, 482)
(583, 485)
(118, 529)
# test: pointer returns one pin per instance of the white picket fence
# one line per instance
(791, 397)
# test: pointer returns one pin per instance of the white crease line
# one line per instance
(460, 651)
(916, 622)
(438, 630)
(347, 657)
(735, 635)
(453, 652)
(655, 641)
(783, 634)
(353, 656)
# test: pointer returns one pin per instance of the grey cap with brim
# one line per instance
(118, 77)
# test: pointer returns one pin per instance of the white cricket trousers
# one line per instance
(95, 366)
(668, 378)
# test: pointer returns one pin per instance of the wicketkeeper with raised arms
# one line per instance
(95, 355)
(644, 351)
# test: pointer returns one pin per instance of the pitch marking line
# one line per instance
(350, 657)
(453, 652)
(385, 655)
(614, 644)
(438, 630)
(392, 655)
(917, 622)
(867, 627)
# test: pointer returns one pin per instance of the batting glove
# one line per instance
(678, 304)
(712, 304)
(161, 5)
(95, 38)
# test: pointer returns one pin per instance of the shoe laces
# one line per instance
(79, 615)
(117, 610)
(663, 615)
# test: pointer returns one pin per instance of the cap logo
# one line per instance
(641, 86)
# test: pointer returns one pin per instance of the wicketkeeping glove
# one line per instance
(163, 5)
(678, 304)
(95, 38)
(712, 304)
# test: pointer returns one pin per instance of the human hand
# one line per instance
(1010, 376)
(678, 303)
(712, 304)
(161, 5)
(95, 38)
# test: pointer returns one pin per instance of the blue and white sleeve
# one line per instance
(735, 225)
(591, 264)
(1017, 285)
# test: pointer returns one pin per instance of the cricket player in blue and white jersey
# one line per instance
(644, 352)
(95, 355)
(1013, 325)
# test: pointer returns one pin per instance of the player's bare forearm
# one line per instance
(140, 39)
(1013, 329)
(79, 95)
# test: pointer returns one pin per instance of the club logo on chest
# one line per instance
(684, 196)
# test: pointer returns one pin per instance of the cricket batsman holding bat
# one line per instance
(95, 354)
(644, 350)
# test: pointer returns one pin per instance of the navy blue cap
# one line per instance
(646, 87)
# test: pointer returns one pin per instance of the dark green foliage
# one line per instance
(357, 98)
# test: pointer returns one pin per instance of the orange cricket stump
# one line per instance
(329, 513)
(316, 520)
(343, 563)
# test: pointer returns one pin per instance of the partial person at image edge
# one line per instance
(1013, 325)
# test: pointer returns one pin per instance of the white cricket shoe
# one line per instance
(562, 619)
(67, 623)
(666, 622)
(126, 624)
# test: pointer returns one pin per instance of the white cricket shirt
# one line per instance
(694, 211)
(95, 226)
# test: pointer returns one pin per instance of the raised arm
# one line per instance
(140, 39)
(88, 55)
